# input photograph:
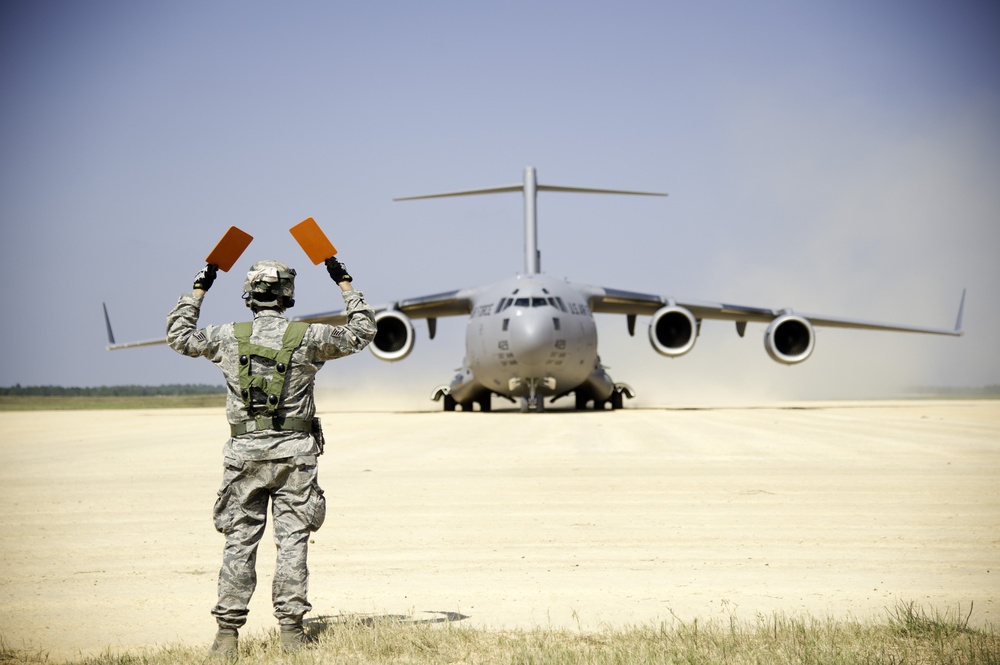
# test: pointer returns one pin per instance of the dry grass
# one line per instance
(908, 635)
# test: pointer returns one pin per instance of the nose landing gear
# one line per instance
(533, 401)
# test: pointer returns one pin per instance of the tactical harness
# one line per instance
(273, 387)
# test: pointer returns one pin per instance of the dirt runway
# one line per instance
(504, 519)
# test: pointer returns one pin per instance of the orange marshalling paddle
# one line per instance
(312, 239)
(229, 249)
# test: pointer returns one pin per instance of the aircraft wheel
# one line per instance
(486, 403)
(449, 403)
(616, 400)
(581, 401)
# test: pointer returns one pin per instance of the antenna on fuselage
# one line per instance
(530, 188)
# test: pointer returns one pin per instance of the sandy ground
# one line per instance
(508, 519)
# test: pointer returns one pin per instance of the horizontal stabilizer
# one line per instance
(520, 188)
(467, 192)
(589, 190)
(530, 187)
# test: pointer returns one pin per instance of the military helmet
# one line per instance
(269, 284)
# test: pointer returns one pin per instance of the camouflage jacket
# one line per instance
(321, 342)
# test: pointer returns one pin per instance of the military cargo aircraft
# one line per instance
(533, 337)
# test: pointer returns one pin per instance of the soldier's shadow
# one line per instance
(324, 622)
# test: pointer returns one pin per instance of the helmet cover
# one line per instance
(269, 284)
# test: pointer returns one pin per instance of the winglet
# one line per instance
(958, 321)
(107, 323)
(113, 346)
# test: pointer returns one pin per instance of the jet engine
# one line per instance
(394, 337)
(673, 331)
(789, 339)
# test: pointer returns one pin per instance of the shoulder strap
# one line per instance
(294, 333)
(243, 329)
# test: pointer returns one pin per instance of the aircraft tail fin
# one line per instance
(530, 187)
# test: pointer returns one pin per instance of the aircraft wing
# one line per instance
(631, 303)
(449, 303)
(395, 337)
(131, 345)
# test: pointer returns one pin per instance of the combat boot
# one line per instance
(294, 638)
(225, 644)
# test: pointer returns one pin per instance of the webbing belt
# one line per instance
(277, 423)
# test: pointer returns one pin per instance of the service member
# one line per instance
(270, 367)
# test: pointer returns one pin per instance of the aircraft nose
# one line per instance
(532, 338)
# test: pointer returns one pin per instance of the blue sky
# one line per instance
(840, 158)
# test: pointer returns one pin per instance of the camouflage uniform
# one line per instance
(269, 464)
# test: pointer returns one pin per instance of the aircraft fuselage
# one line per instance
(530, 335)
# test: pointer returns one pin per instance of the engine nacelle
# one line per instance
(789, 339)
(394, 337)
(673, 331)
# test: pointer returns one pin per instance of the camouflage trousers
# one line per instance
(298, 508)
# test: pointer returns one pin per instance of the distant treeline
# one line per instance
(113, 391)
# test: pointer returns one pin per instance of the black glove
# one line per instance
(206, 277)
(337, 270)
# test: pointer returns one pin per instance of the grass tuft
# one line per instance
(909, 619)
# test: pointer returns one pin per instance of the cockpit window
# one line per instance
(531, 302)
